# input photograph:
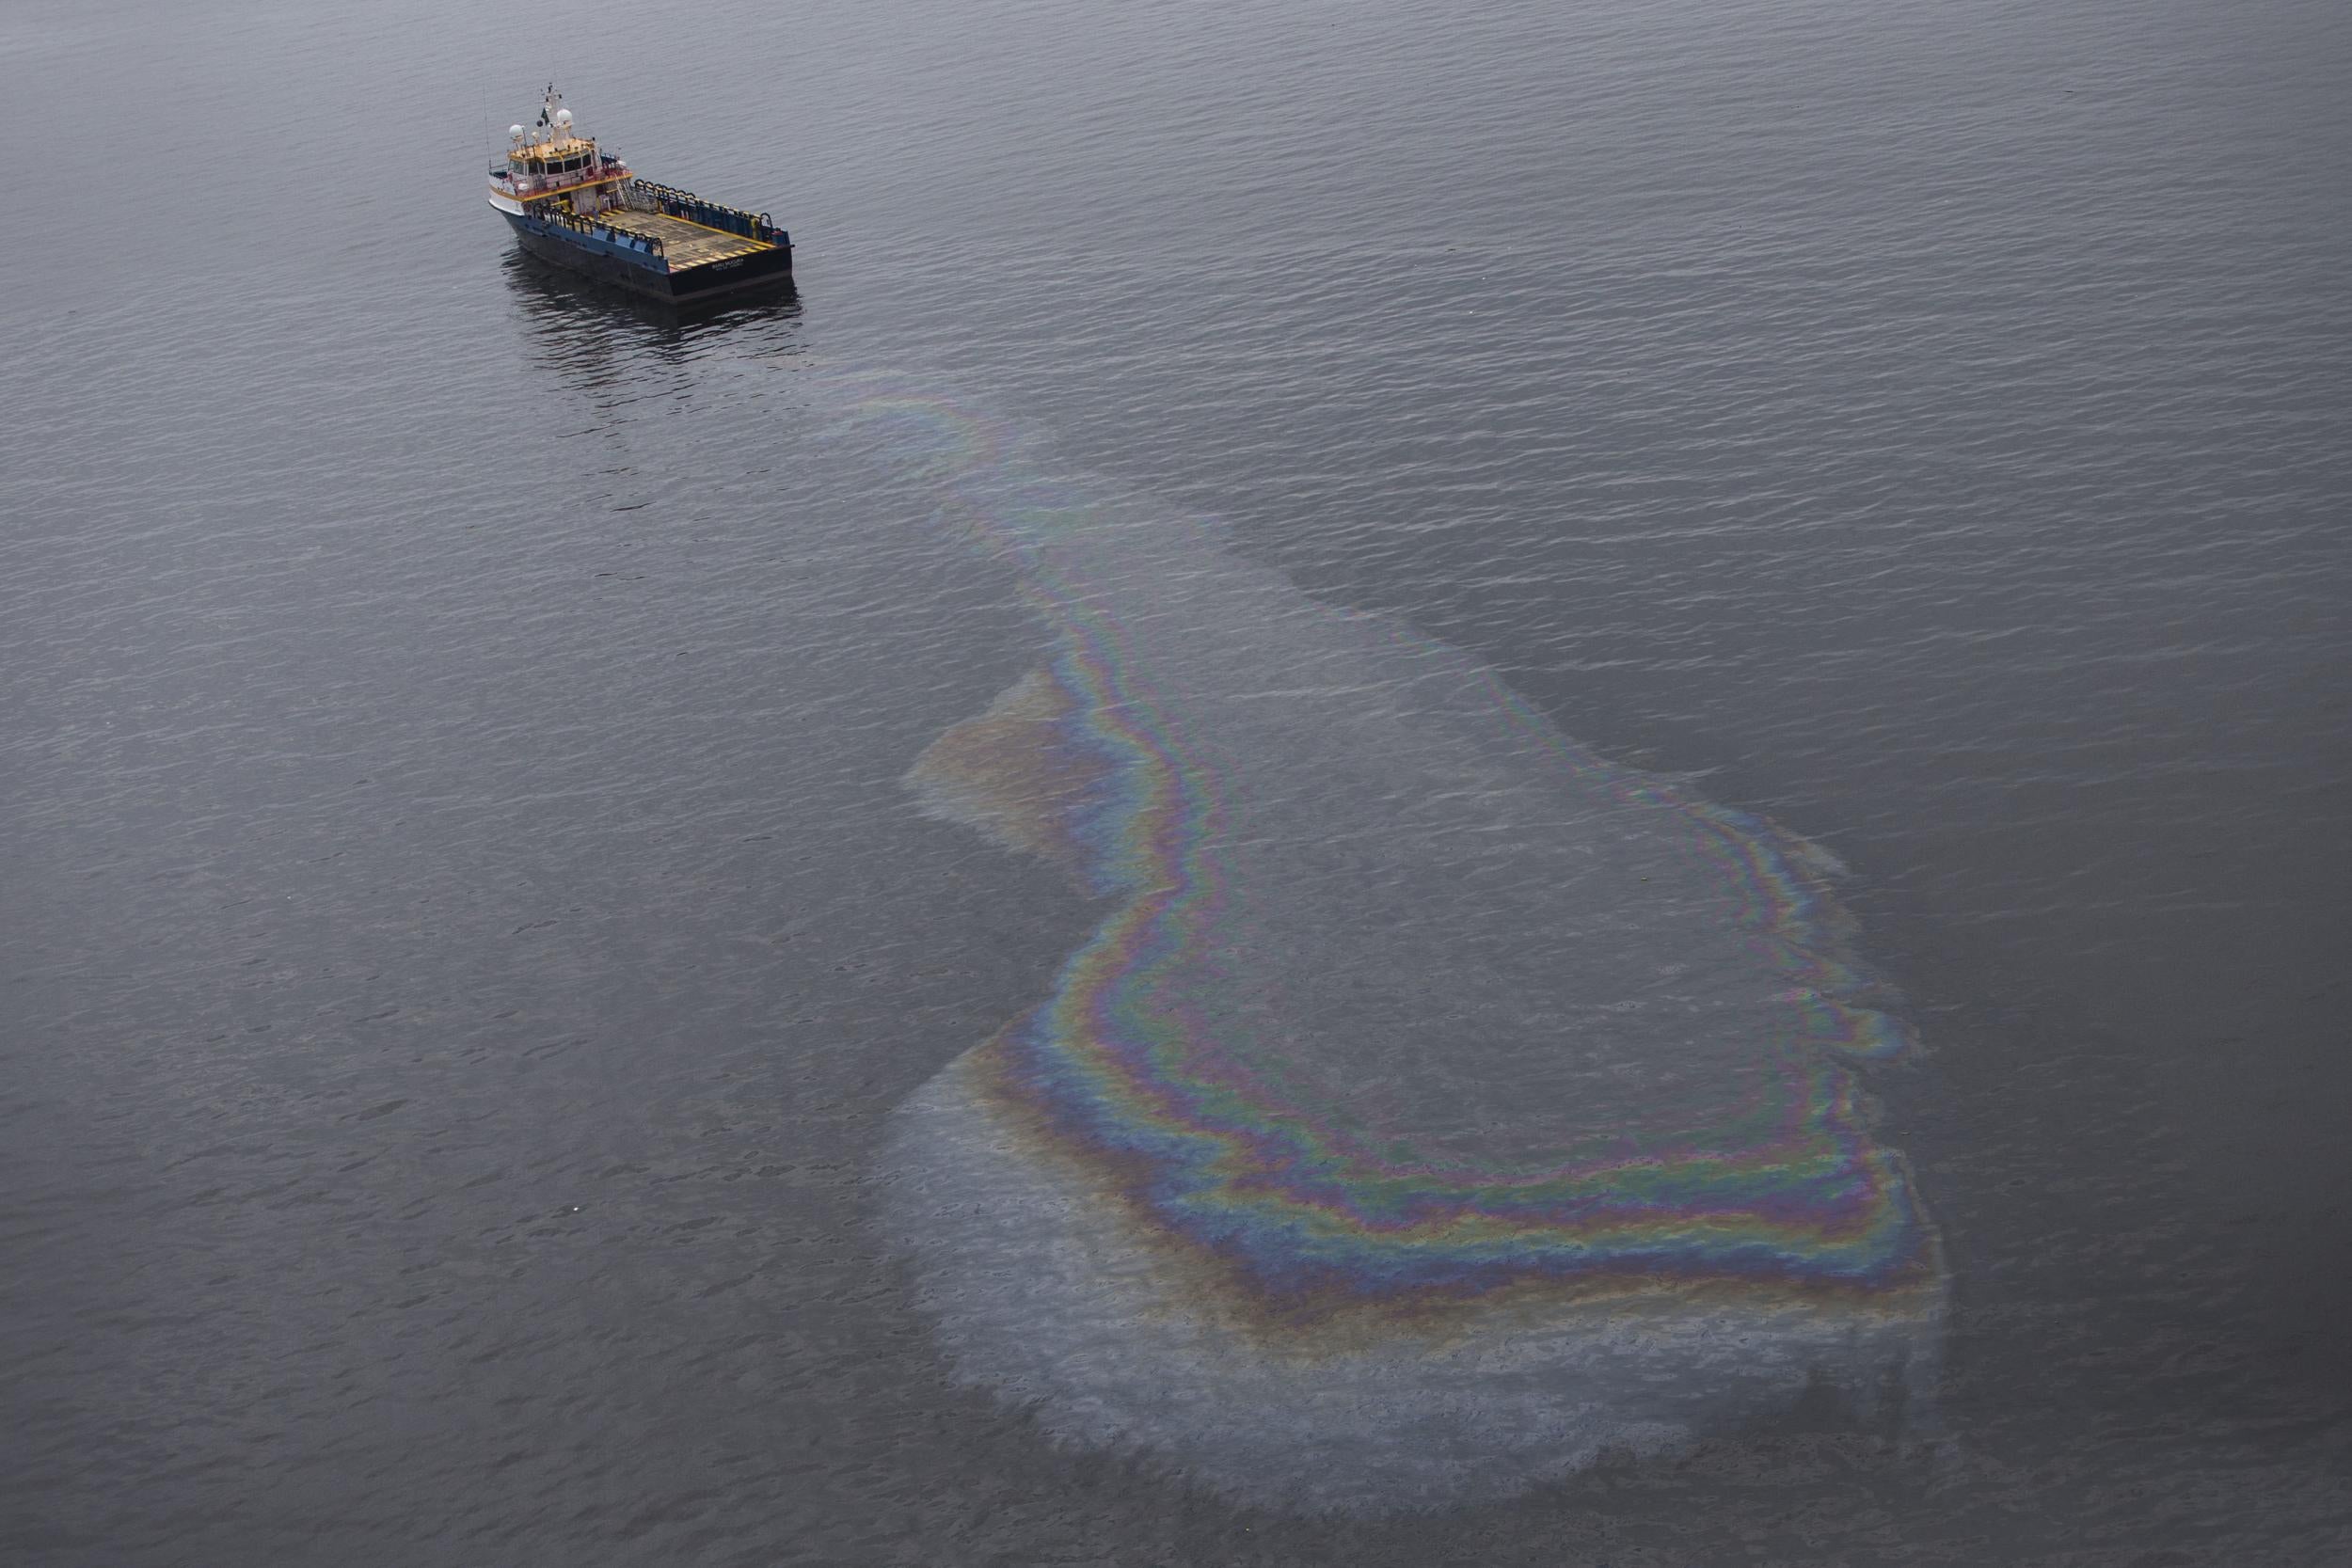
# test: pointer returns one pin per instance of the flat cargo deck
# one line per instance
(685, 245)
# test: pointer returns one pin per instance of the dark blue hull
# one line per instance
(641, 272)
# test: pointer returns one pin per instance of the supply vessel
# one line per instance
(578, 206)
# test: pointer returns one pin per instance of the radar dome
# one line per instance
(514, 130)
(563, 118)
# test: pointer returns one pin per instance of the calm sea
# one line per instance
(464, 936)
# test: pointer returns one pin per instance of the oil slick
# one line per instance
(1437, 1106)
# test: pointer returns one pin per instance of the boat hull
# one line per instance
(647, 277)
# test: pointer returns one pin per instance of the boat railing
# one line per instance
(711, 214)
(644, 244)
(525, 185)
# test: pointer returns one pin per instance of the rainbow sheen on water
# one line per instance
(1437, 1106)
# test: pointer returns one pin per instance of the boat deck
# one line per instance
(685, 245)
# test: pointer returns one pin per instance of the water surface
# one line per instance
(470, 943)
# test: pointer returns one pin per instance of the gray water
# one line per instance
(464, 935)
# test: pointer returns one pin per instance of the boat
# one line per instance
(575, 204)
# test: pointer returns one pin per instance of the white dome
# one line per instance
(563, 118)
(514, 130)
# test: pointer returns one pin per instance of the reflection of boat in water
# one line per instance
(572, 203)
